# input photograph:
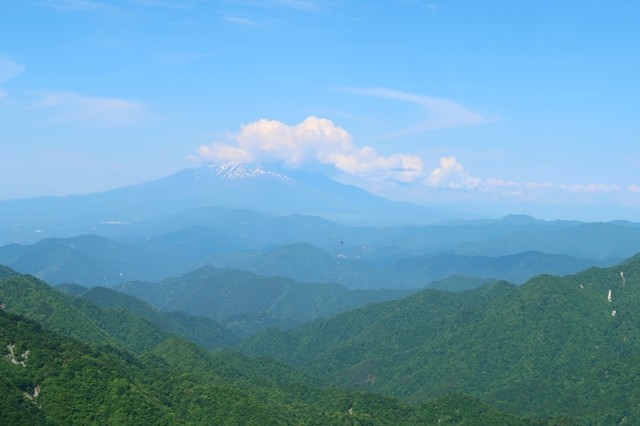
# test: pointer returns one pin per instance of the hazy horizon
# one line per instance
(491, 108)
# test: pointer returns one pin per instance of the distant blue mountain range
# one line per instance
(260, 188)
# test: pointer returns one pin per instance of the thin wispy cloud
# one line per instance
(307, 5)
(167, 4)
(71, 107)
(300, 5)
(419, 4)
(80, 5)
(496, 184)
(439, 112)
(450, 174)
(591, 187)
(549, 190)
(126, 8)
(182, 58)
(245, 22)
(9, 69)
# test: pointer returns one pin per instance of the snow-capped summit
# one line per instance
(239, 170)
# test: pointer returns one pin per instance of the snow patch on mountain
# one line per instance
(230, 170)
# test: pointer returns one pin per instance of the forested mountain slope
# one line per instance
(200, 330)
(6, 272)
(555, 345)
(49, 379)
(119, 326)
(90, 260)
(248, 302)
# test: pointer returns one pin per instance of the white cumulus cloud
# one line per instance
(314, 140)
(319, 141)
(451, 174)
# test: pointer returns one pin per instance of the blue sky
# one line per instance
(494, 107)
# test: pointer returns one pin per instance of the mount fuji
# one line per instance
(251, 186)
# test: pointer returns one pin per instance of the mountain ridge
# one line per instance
(267, 190)
(555, 346)
(48, 377)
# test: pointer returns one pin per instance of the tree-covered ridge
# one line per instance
(118, 326)
(6, 272)
(49, 379)
(71, 383)
(86, 259)
(554, 346)
(203, 331)
(63, 381)
(247, 302)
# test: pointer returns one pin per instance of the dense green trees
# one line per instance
(64, 381)
(246, 302)
(554, 346)
(119, 368)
